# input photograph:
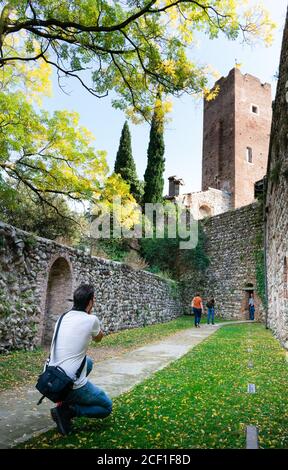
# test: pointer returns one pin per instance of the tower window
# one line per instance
(254, 109)
(249, 155)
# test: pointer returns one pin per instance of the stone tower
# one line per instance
(236, 135)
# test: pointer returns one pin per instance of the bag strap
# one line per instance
(79, 370)
(78, 373)
(55, 336)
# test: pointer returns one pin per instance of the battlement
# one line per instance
(236, 72)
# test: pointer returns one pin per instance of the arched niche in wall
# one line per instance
(59, 290)
(249, 287)
(205, 211)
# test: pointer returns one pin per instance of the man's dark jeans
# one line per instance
(90, 400)
(197, 312)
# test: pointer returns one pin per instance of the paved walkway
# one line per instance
(21, 418)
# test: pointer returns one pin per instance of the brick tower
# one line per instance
(236, 136)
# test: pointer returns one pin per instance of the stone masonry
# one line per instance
(37, 278)
(239, 119)
(277, 206)
(232, 241)
(202, 203)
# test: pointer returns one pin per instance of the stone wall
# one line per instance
(277, 206)
(232, 241)
(37, 278)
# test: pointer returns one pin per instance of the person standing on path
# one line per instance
(197, 306)
(251, 307)
(75, 332)
(211, 311)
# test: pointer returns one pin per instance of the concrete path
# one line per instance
(21, 418)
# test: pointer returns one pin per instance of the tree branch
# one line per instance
(70, 74)
(78, 26)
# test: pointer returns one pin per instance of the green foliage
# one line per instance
(210, 409)
(153, 177)
(259, 254)
(125, 165)
(113, 248)
(30, 243)
(127, 46)
(197, 258)
(174, 290)
(161, 254)
(164, 255)
(49, 155)
(52, 219)
(275, 172)
(260, 276)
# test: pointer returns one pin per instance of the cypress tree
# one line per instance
(125, 165)
(154, 182)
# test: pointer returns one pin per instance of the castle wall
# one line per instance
(38, 276)
(277, 206)
(233, 244)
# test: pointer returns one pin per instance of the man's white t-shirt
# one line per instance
(72, 342)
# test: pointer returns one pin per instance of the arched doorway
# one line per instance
(248, 289)
(59, 290)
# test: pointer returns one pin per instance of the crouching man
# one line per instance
(75, 332)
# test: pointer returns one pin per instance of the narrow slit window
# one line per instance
(249, 155)
(255, 109)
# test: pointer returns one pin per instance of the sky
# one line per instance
(183, 134)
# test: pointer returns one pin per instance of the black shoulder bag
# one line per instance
(54, 383)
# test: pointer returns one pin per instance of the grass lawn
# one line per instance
(21, 367)
(200, 401)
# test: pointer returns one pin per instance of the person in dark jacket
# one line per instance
(211, 311)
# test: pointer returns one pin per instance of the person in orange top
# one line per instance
(197, 306)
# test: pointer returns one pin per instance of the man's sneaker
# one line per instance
(62, 416)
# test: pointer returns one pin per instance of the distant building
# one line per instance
(236, 135)
(203, 203)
